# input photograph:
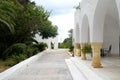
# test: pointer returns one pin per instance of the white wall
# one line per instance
(84, 32)
(101, 26)
(118, 6)
(111, 34)
(111, 27)
(76, 28)
(48, 41)
(55, 41)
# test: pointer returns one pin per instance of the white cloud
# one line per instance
(57, 6)
(64, 22)
(57, 2)
(62, 14)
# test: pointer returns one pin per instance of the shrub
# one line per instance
(21, 51)
(87, 48)
(32, 51)
(29, 51)
(35, 51)
(19, 57)
(64, 45)
(41, 46)
(71, 49)
(18, 48)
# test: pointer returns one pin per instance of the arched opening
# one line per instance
(84, 38)
(52, 45)
(85, 35)
(111, 28)
(106, 25)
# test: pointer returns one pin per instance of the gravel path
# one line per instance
(51, 66)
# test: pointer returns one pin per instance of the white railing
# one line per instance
(20, 65)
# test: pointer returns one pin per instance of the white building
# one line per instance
(98, 22)
(48, 41)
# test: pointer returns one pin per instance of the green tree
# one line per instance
(67, 43)
(29, 20)
(69, 39)
(7, 14)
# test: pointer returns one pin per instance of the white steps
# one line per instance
(76, 74)
(80, 70)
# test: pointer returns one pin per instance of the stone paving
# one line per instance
(111, 66)
(51, 66)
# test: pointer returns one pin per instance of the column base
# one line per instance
(77, 49)
(96, 65)
(77, 53)
(83, 56)
(96, 61)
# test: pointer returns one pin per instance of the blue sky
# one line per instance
(62, 14)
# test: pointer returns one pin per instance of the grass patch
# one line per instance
(6, 64)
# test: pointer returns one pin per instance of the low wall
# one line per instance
(20, 65)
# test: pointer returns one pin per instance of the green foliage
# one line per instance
(64, 45)
(71, 48)
(18, 48)
(24, 19)
(87, 48)
(32, 51)
(21, 51)
(19, 57)
(21, 48)
(41, 46)
(67, 43)
(61, 45)
(7, 14)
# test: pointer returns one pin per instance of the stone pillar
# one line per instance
(96, 61)
(83, 55)
(77, 49)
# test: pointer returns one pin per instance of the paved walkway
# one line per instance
(51, 66)
(111, 66)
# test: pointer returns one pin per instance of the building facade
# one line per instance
(48, 41)
(97, 22)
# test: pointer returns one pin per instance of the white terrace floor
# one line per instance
(110, 70)
(111, 66)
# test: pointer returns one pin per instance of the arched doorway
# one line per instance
(105, 29)
(106, 25)
(111, 28)
(84, 35)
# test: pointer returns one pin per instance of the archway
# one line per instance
(105, 29)
(85, 35)
(52, 45)
(106, 25)
(111, 28)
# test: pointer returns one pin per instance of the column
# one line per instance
(96, 61)
(83, 55)
(77, 49)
